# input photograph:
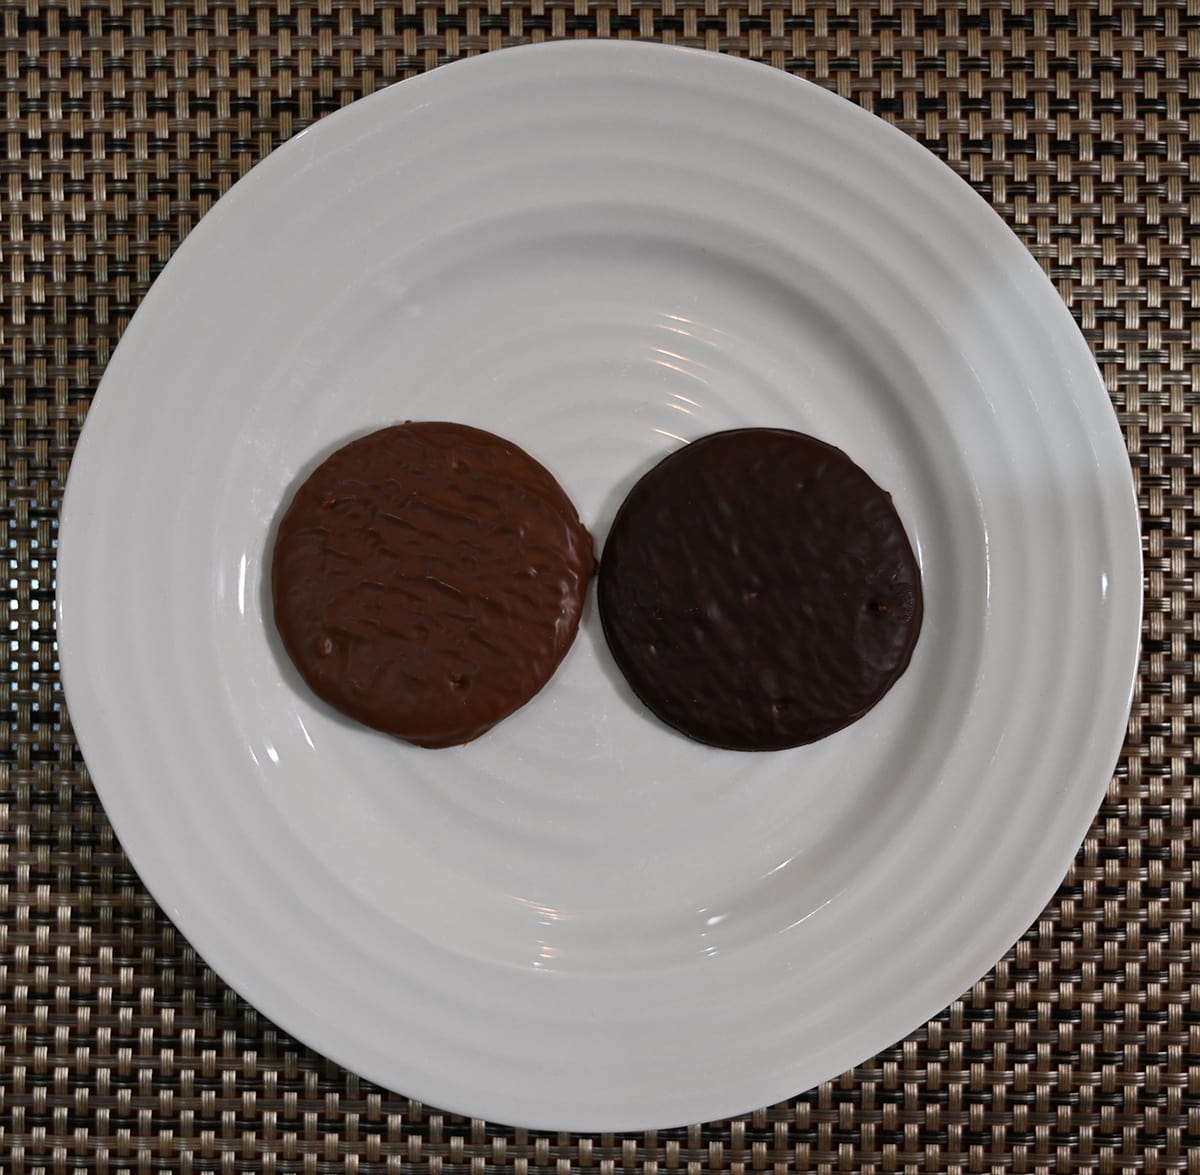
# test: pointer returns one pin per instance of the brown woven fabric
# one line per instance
(124, 120)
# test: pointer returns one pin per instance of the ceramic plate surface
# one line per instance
(583, 920)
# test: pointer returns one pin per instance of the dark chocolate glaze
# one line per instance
(428, 579)
(758, 590)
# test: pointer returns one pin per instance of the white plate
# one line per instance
(584, 920)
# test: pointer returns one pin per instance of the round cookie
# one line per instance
(427, 580)
(758, 590)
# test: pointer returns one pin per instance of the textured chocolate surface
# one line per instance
(758, 590)
(428, 579)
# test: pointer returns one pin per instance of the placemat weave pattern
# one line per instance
(125, 120)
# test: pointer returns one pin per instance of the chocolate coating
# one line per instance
(758, 590)
(428, 579)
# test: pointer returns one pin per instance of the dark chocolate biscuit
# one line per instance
(428, 579)
(758, 590)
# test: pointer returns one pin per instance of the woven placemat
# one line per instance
(124, 121)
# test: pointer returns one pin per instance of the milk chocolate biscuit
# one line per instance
(428, 579)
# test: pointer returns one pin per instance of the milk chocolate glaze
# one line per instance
(427, 580)
(758, 590)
